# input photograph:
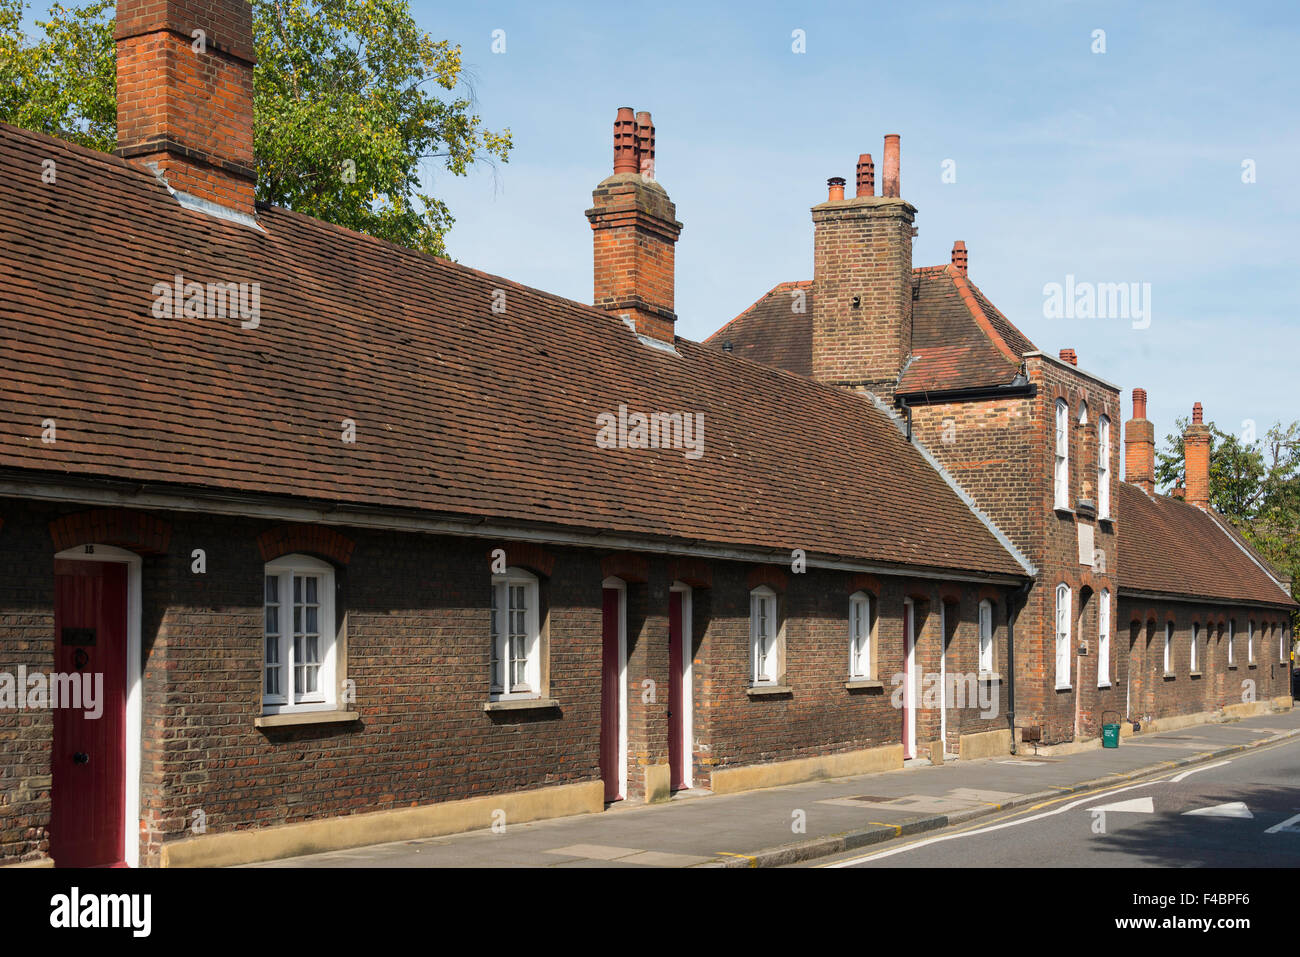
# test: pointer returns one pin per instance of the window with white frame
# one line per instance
(1250, 641)
(1232, 628)
(986, 635)
(1196, 637)
(860, 635)
(298, 665)
(1103, 639)
(1062, 474)
(1103, 467)
(516, 670)
(1282, 643)
(763, 636)
(1063, 636)
(1169, 647)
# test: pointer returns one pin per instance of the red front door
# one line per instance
(610, 686)
(88, 792)
(676, 762)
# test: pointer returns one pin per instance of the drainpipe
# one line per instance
(907, 411)
(1015, 602)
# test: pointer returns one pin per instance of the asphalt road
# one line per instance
(1228, 813)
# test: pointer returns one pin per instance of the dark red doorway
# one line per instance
(88, 791)
(611, 758)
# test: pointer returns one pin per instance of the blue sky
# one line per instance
(1117, 167)
(1124, 166)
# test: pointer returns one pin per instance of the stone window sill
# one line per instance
(763, 691)
(521, 704)
(864, 684)
(1064, 688)
(1064, 511)
(1252, 665)
(1232, 667)
(1100, 686)
(1170, 676)
(989, 676)
(288, 718)
(1194, 674)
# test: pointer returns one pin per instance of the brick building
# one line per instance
(1034, 440)
(339, 543)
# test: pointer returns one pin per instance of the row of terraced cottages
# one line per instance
(398, 548)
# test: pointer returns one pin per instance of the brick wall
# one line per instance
(414, 610)
(1156, 693)
(1002, 452)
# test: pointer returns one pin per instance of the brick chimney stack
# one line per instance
(635, 231)
(1196, 460)
(862, 282)
(185, 98)
(959, 256)
(1140, 446)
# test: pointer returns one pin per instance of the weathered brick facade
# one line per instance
(412, 614)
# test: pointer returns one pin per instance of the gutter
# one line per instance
(141, 496)
(1014, 391)
(1213, 600)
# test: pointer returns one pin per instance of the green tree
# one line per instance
(1255, 483)
(352, 101)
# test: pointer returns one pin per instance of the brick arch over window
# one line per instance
(770, 575)
(950, 594)
(633, 569)
(1096, 582)
(990, 593)
(1147, 616)
(691, 571)
(867, 583)
(526, 555)
(317, 540)
(137, 532)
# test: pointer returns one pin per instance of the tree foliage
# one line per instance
(352, 102)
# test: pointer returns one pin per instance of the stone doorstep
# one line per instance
(879, 833)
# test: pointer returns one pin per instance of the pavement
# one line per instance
(802, 822)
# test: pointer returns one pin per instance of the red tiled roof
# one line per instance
(458, 409)
(959, 339)
(1172, 547)
(772, 332)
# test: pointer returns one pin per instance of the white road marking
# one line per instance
(1231, 809)
(990, 828)
(1290, 826)
(1178, 777)
(1136, 806)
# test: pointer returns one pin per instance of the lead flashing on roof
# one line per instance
(205, 206)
